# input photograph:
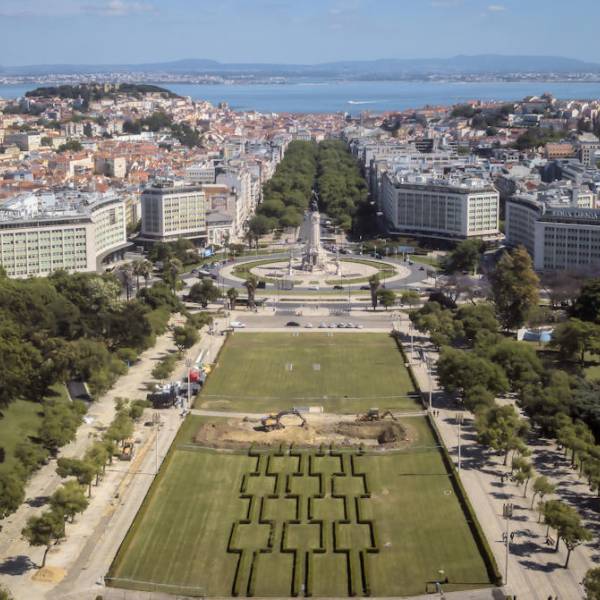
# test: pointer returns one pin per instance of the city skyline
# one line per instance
(277, 30)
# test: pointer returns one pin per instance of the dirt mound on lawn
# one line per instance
(384, 432)
(238, 433)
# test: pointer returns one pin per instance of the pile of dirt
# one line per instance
(236, 433)
(384, 432)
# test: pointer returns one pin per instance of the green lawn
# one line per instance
(432, 261)
(190, 536)
(343, 372)
(21, 419)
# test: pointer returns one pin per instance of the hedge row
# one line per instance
(413, 379)
(470, 516)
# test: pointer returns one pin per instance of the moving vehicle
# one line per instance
(338, 287)
(237, 324)
(127, 450)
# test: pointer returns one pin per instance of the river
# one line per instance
(355, 97)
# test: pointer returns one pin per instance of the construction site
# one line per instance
(373, 430)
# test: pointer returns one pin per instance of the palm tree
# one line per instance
(374, 284)
(171, 269)
(232, 295)
(125, 275)
(141, 268)
(250, 285)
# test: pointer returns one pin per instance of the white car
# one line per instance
(308, 325)
(322, 325)
(237, 324)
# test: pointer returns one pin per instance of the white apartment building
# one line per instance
(589, 149)
(24, 140)
(453, 209)
(240, 182)
(201, 173)
(69, 230)
(558, 237)
(170, 210)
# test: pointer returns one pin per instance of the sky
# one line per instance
(290, 31)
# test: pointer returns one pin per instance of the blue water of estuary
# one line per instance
(357, 96)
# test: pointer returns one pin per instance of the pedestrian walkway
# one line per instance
(535, 571)
(112, 502)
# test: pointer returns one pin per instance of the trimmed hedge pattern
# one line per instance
(289, 469)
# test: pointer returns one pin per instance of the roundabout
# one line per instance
(336, 272)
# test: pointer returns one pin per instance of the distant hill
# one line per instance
(476, 64)
(95, 91)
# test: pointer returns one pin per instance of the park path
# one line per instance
(109, 504)
(535, 571)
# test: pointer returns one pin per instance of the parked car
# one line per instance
(237, 324)
(292, 324)
(365, 287)
(308, 325)
(322, 325)
(338, 287)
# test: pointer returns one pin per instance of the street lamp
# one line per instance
(188, 364)
(459, 420)
(156, 423)
(507, 512)
(428, 367)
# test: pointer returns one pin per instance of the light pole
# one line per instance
(428, 367)
(507, 511)
(188, 364)
(410, 332)
(459, 419)
(156, 421)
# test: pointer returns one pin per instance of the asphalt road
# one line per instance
(417, 276)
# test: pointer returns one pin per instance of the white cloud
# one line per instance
(118, 8)
(496, 8)
(63, 8)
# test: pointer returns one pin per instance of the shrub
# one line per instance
(164, 367)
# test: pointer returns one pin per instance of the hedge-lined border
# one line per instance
(467, 508)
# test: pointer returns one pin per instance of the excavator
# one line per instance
(273, 421)
(373, 414)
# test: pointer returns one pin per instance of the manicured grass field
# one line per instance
(184, 539)
(343, 372)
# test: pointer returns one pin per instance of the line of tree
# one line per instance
(62, 327)
(342, 188)
(329, 168)
(477, 363)
(49, 528)
(286, 195)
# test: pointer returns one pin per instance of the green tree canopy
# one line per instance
(69, 500)
(514, 287)
(501, 428)
(44, 530)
